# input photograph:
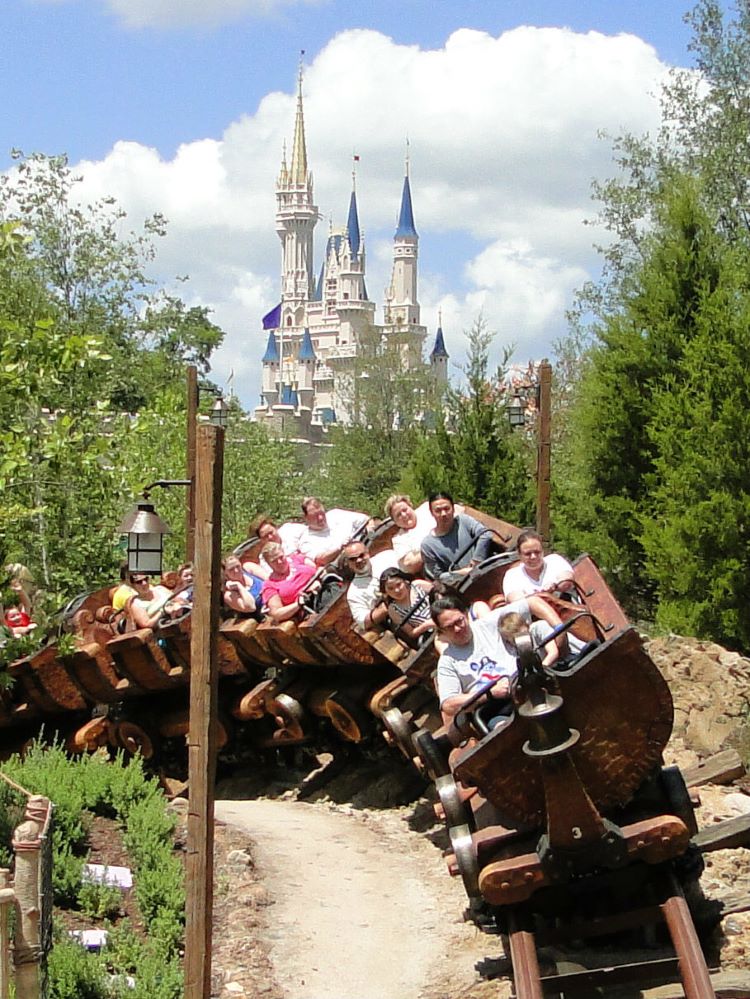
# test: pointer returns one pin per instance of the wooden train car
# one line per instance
(280, 684)
(563, 822)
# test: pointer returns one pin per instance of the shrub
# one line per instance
(99, 901)
(76, 974)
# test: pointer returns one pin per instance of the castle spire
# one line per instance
(298, 171)
(406, 228)
(352, 223)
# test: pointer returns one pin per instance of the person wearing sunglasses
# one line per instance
(147, 606)
(363, 596)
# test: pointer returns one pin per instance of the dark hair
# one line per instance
(528, 534)
(443, 494)
(448, 601)
(256, 523)
(392, 572)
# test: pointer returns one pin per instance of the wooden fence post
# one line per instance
(543, 450)
(5, 902)
(27, 847)
(203, 714)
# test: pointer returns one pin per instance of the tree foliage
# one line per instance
(653, 462)
(92, 397)
(473, 451)
(390, 396)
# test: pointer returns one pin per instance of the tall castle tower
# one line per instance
(296, 216)
(316, 331)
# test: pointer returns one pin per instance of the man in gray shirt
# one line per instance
(457, 543)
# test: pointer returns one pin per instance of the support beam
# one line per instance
(544, 435)
(203, 712)
(191, 429)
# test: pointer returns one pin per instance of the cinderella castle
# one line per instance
(316, 332)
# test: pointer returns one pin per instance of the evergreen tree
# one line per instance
(695, 530)
(473, 451)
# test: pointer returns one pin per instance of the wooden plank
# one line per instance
(581, 982)
(543, 450)
(721, 768)
(191, 428)
(204, 678)
(726, 985)
(729, 903)
(5, 909)
(726, 835)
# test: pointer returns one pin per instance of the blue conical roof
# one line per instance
(271, 355)
(406, 227)
(439, 349)
(352, 225)
(306, 349)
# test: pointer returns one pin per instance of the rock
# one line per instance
(737, 803)
(729, 658)
(240, 857)
(179, 805)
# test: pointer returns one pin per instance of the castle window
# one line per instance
(289, 320)
(346, 294)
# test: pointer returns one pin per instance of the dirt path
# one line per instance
(363, 908)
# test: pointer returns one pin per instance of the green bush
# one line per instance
(76, 974)
(121, 788)
(99, 901)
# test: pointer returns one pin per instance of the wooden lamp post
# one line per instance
(145, 531)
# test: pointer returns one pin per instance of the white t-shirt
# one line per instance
(517, 579)
(341, 525)
(364, 590)
(290, 534)
(404, 542)
(486, 657)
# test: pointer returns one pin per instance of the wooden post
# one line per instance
(4, 935)
(543, 450)
(27, 847)
(203, 715)
(192, 423)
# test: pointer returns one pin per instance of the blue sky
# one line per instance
(173, 100)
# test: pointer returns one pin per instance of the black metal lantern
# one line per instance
(145, 530)
(516, 410)
(219, 414)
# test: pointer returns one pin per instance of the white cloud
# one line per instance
(503, 139)
(185, 13)
(180, 13)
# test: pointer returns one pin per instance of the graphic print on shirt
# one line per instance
(485, 669)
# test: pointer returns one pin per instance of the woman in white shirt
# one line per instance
(536, 572)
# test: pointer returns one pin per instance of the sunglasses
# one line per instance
(141, 579)
(356, 558)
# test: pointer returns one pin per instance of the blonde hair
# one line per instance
(412, 562)
(396, 498)
(271, 550)
(512, 625)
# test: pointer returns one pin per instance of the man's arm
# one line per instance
(364, 615)
(499, 691)
(432, 566)
(483, 546)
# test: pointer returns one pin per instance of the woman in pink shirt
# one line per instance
(290, 574)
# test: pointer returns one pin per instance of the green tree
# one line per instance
(472, 451)
(694, 528)
(388, 398)
(84, 337)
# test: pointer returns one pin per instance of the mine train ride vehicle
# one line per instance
(562, 820)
